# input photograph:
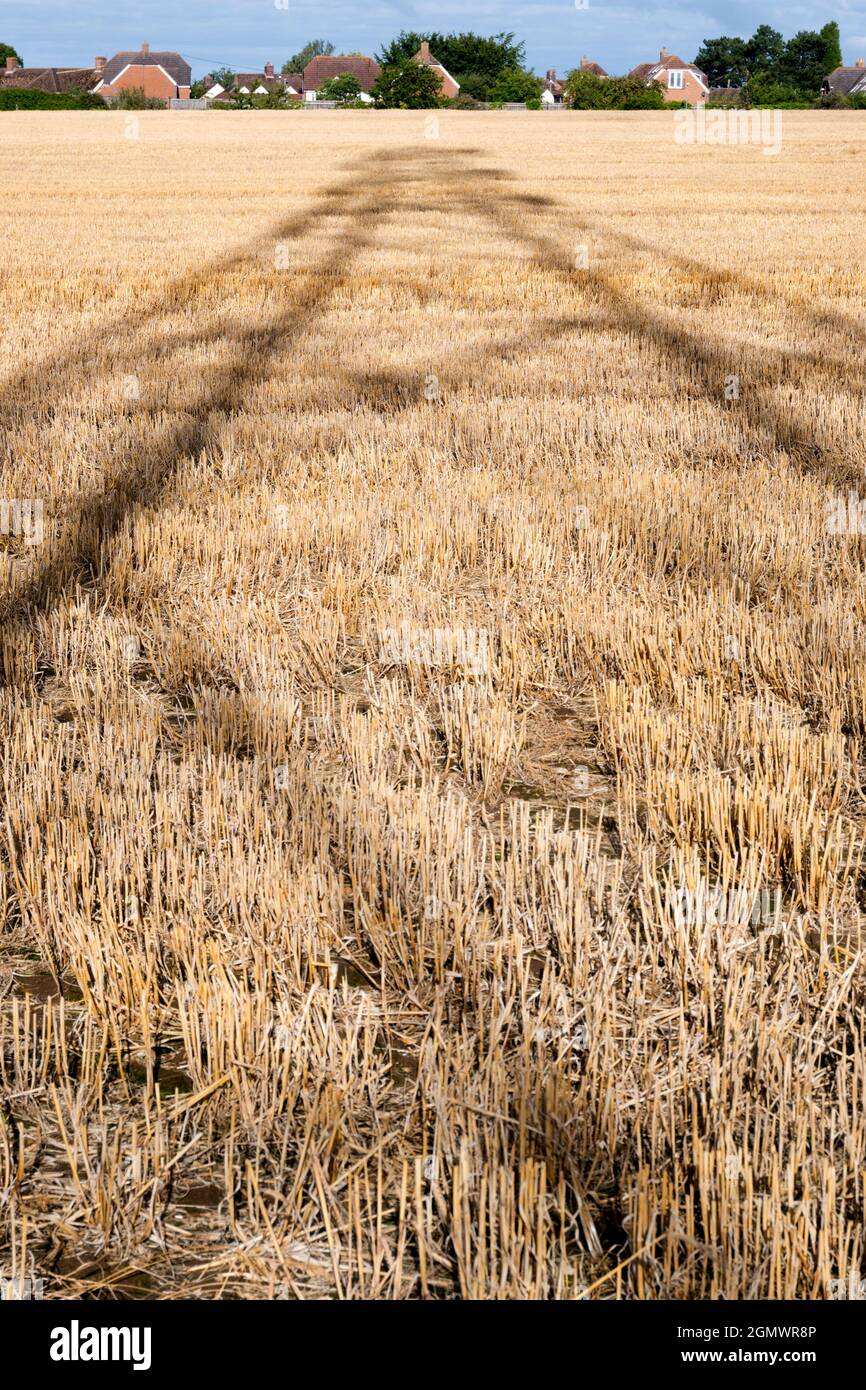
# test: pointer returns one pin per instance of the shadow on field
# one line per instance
(401, 182)
(765, 420)
(78, 555)
(387, 181)
(773, 422)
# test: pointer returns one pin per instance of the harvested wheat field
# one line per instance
(433, 707)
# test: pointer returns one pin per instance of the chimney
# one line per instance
(425, 51)
(99, 64)
(584, 62)
(664, 55)
(269, 69)
(551, 74)
(11, 64)
(861, 63)
(145, 50)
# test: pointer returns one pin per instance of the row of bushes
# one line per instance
(586, 92)
(26, 99)
(780, 97)
(23, 99)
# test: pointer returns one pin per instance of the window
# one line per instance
(675, 77)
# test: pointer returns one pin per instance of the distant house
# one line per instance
(553, 91)
(448, 86)
(323, 69)
(679, 81)
(848, 82)
(595, 69)
(294, 83)
(249, 84)
(55, 80)
(162, 75)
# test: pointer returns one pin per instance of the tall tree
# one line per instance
(405, 46)
(316, 48)
(724, 61)
(344, 87)
(765, 49)
(7, 52)
(832, 46)
(804, 62)
(514, 84)
(586, 92)
(406, 84)
(463, 55)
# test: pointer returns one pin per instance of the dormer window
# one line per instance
(675, 77)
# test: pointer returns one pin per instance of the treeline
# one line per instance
(769, 69)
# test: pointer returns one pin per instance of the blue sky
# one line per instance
(247, 33)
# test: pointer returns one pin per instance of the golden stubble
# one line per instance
(420, 613)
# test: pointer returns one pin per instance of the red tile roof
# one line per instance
(322, 69)
(176, 66)
(50, 79)
(646, 70)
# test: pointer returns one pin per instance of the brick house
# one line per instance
(166, 76)
(322, 69)
(679, 81)
(448, 86)
(55, 80)
(846, 81)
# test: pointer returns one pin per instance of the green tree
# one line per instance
(407, 84)
(724, 61)
(832, 47)
(225, 77)
(473, 60)
(634, 95)
(515, 84)
(474, 85)
(7, 52)
(585, 92)
(804, 63)
(765, 50)
(344, 87)
(796, 67)
(316, 48)
(765, 89)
